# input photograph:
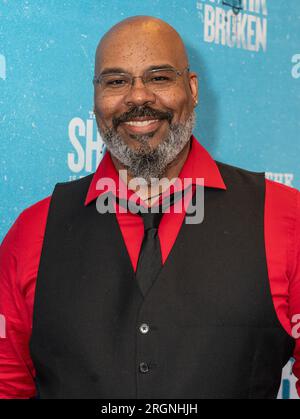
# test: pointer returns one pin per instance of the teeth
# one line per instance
(141, 123)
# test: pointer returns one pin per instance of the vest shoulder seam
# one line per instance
(239, 169)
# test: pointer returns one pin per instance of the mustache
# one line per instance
(141, 111)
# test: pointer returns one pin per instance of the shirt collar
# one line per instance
(198, 165)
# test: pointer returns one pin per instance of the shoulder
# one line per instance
(30, 224)
(33, 218)
(282, 222)
(281, 194)
(282, 200)
(274, 189)
(22, 243)
(39, 208)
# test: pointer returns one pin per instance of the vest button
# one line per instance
(144, 328)
(144, 367)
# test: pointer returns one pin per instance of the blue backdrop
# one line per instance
(249, 70)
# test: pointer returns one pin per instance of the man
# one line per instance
(95, 308)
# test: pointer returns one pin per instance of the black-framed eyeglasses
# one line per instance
(158, 79)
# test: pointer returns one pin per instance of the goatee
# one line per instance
(147, 162)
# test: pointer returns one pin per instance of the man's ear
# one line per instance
(193, 81)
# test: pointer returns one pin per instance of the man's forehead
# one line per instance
(138, 46)
(138, 57)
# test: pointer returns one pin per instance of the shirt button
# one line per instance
(144, 328)
(144, 367)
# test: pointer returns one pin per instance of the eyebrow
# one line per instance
(112, 70)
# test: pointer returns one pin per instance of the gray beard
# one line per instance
(146, 162)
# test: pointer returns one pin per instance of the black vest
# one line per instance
(213, 330)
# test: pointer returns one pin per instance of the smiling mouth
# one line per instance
(142, 125)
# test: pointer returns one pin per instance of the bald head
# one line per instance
(137, 37)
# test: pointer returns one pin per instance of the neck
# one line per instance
(172, 172)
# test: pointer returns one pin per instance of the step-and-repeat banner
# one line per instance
(247, 55)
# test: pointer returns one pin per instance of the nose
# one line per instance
(139, 94)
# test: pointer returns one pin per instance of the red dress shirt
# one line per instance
(21, 249)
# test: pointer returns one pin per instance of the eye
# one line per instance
(162, 77)
(114, 81)
(159, 79)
